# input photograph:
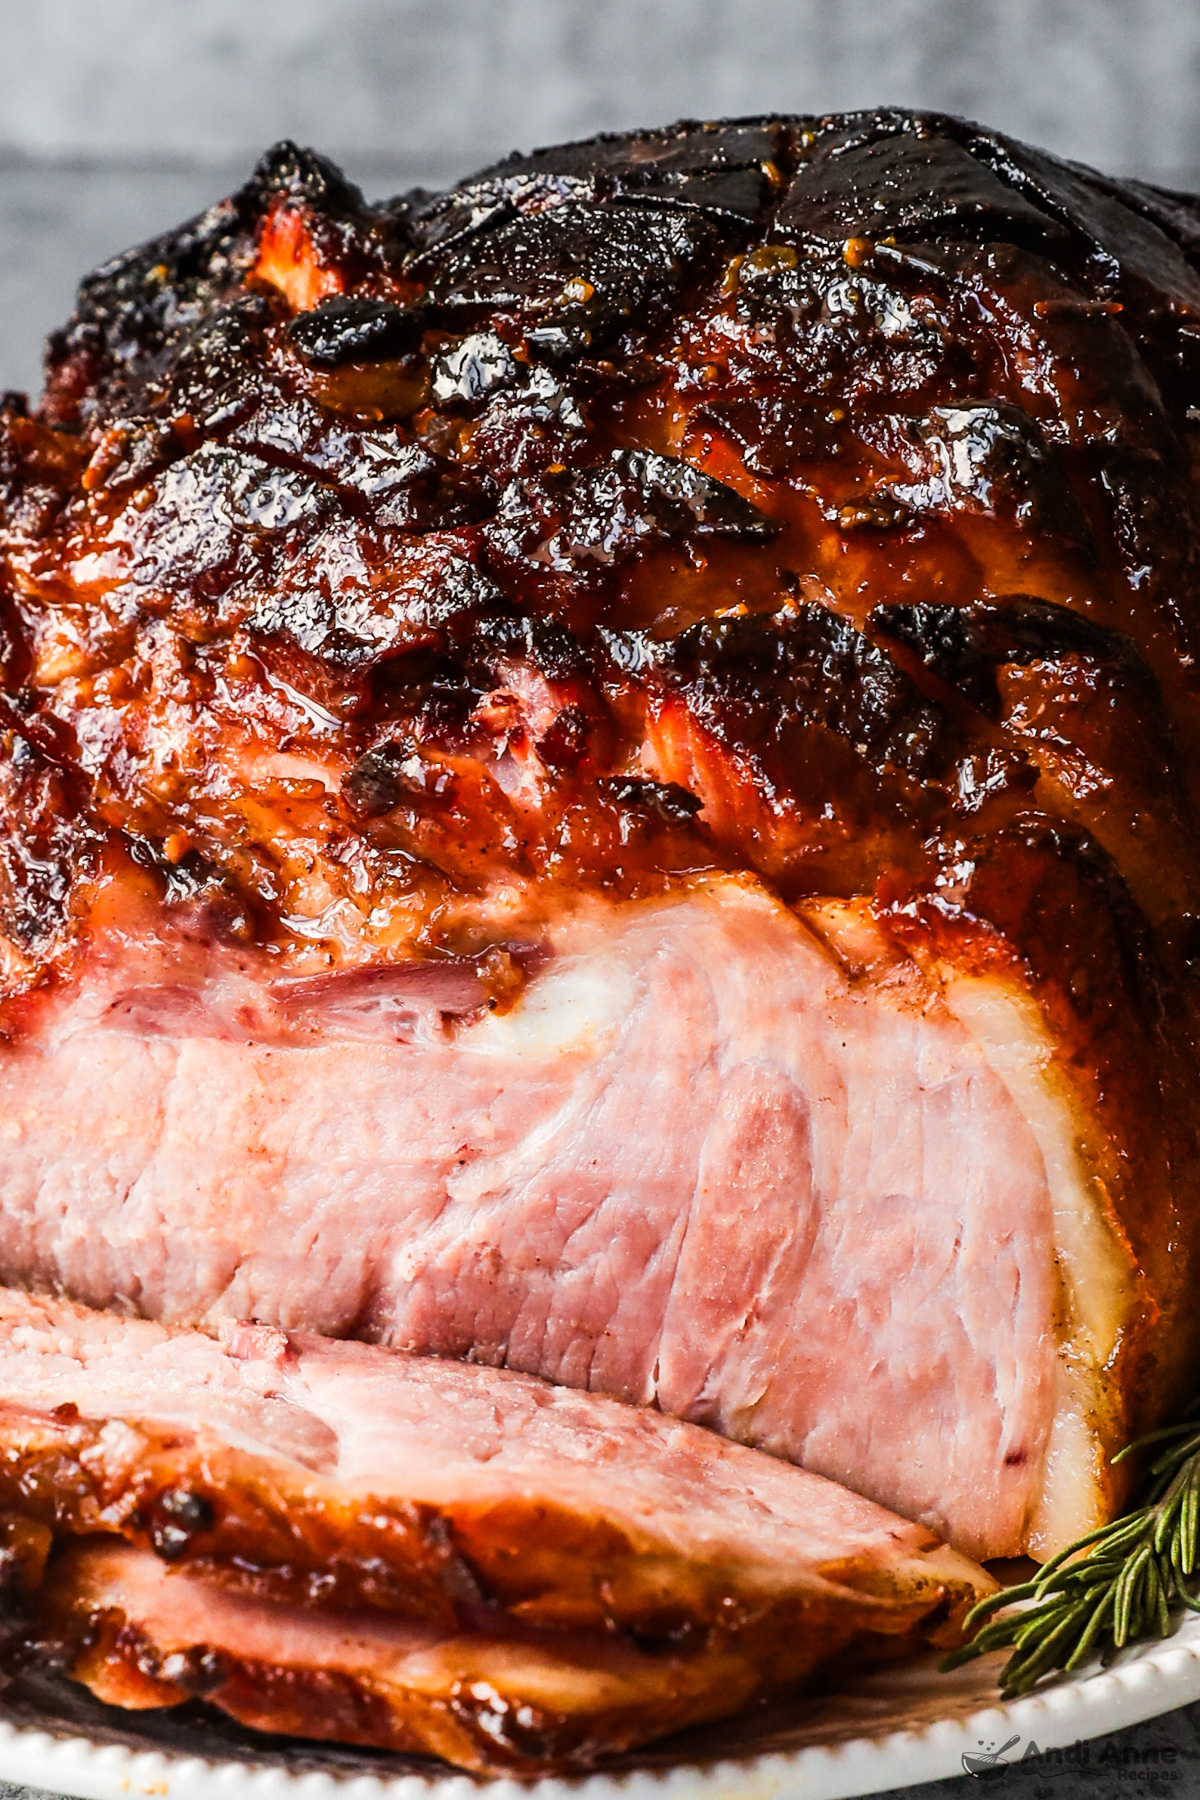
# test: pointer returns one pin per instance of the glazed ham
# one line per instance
(599, 779)
(336, 1540)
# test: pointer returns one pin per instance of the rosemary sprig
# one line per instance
(1107, 1589)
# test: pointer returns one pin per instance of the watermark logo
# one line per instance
(988, 1762)
(1149, 1766)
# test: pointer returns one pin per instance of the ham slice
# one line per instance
(341, 1541)
(493, 1701)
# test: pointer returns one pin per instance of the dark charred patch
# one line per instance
(773, 432)
(1155, 531)
(133, 307)
(347, 329)
(599, 517)
(155, 307)
(544, 642)
(754, 681)
(217, 520)
(574, 274)
(912, 183)
(1081, 706)
(209, 377)
(354, 599)
(380, 468)
(852, 339)
(1175, 213)
(1126, 246)
(47, 841)
(987, 457)
(728, 167)
(965, 645)
(286, 171)
(176, 1519)
(382, 778)
(729, 171)
(665, 801)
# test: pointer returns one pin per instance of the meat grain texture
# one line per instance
(599, 778)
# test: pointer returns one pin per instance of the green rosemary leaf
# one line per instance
(1114, 1585)
(993, 1637)
(1005, 1597)
(1033, 1625)
(1188, 1520)
(1162, 1612)
(1185, 1428)
(1021, 1675)
(1127, 1595)
(1095, 1626)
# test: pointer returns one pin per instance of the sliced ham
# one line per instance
(337, 1540)
(498, 1701)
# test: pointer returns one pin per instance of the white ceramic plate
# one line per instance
(903, 1724)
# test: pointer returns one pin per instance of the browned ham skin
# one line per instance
(633, 455)
(600, 774)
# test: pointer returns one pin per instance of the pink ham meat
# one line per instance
(456, 1549)
(703, 1162)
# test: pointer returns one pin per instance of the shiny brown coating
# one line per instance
(812, 496)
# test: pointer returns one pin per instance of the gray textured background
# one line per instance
(120, 117)
(439, 84)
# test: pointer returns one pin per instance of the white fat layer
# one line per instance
(1073, 1495)
(578, 1005)
(1095, 1270)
